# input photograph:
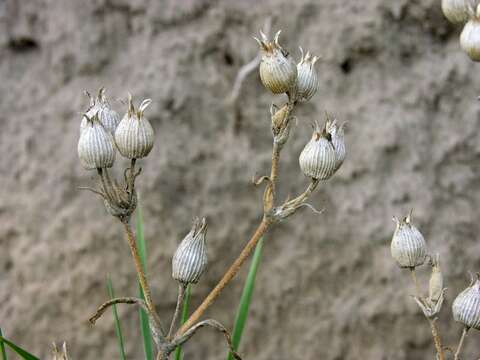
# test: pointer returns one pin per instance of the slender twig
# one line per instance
(433, 326)
(141, 274)
(227, 277)
(304, 196)
(181, 294)
(460, 344)
(106, 305)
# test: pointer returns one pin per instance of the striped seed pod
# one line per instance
(408, 245)
(466, 306)
(96, 148)
(307, 79)
(470, 37)
(337, 134)
(134, 135)
(318, 159)
(190, 259)
(435, 288)
(458, 11)
(278, 71)
(107, 116)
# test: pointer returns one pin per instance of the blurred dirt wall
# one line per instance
(327, 287)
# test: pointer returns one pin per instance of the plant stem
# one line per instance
(433, 326)
(460, 344)
(181, 294)
(141, 274)
(227, 277)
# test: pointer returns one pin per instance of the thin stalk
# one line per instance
(186, 305)
(227, 277)
(118, 327)
(460, 344)
(181, 294)
(141, 274)
(415, 281)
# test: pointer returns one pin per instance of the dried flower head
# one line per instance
(190, 259)
(134, 135)
(96, 148)
(278, 71)
(337, 135)
(470, 37)
(466, 306)
(307, 79)
(408, 246)
(318, 159)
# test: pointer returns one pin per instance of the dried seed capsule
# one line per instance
(318, 159)
(307, 80)
(470, 37)
(96, 148)
(435, 288)
(107, 116)
(408, 245)
(190, 259)
(466, 307)
(134, 135)
(458, 11)
(278, 71)
(337, 134)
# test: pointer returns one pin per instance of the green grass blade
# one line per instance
(22, 353)
(186, 305)
(245, 300)
(2, 348)
(142, 251)
(118, 328)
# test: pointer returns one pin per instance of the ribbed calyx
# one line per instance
(470, 36)
(190, 259)
(307, 79)
(134, 135)
(466, 306)
(435, 287)
(318, 159)
(278, 71)
(96, 149)
(101, 107)
(408, 246)
(459, 11)
(337, 136)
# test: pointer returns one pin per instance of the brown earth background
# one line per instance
(327, 287)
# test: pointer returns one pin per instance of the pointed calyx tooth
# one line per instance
(318, 159)
(96, 148)
(190, 259)
(106, 115)
(466, 306)
(134, 135)
(278, 71)
(408, 245)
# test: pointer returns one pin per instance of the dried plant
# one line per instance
(133, 138)
(409, 250)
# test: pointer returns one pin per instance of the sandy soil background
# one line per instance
(327, 287)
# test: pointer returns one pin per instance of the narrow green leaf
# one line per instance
(24, 354)
(186, 305)
(2, 347)
(246, 298)
(142, 251)
(118, 328)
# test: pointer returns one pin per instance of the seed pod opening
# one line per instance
(134, 135)
(337, 134)
(408, 246)
(470, 38)
(190, 259)
(318, 159)
(466, 306)
(307, 79)
(96, 148)
(278, 71)
(106, 115)
(458, 11)
(435, 288)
